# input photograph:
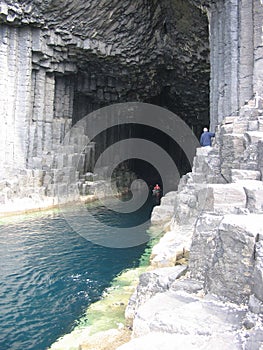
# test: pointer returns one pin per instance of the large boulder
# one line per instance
(223, 255)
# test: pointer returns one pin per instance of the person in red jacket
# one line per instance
(157, 190)
(157, 187)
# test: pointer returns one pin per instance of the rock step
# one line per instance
(187, 314)
(166, 341)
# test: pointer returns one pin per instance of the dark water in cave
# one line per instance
(49, 275)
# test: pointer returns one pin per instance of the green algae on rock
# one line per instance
(105, 314)
(104, 321)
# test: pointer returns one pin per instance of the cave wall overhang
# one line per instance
(62, 60)
(149, 49)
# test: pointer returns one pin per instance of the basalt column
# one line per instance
(236, 55)
(61, 60)
(224, 21)
(258, 47)
(52, 107)
(15, 96)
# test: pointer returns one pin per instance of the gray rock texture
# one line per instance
(61, 60)
(151, 283)
(166, 341)
(231, 262)
(218, 217)
(186, 314)
(164, 212)
(236, 52)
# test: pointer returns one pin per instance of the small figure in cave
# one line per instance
(156, 189)
(205, 139)
(156, 192)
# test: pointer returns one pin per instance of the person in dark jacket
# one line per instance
(205, 139)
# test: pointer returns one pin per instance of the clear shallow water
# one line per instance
(49, 275)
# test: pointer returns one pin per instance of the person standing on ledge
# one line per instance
(205, 139)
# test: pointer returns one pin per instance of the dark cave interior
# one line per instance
(143, 169)
(174, 76)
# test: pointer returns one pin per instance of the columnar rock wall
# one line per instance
(15, 91)
(37, 107)
(236, 55)
(204, 287)
(206, 276)
(62, 60)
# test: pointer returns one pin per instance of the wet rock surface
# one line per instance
(218, 300)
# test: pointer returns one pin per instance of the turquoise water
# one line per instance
(50, 274)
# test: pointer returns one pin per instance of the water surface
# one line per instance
(50, 274)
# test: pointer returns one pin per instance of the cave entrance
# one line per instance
(175, 77)
(144, 169)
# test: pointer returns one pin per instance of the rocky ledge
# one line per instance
(214, 299)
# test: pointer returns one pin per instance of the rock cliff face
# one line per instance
(63, 59)
(236, 54)
(60, 60)
(216, 216)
